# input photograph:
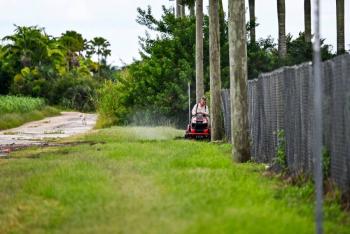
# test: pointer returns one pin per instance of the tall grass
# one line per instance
(15, 111)
(13, 104)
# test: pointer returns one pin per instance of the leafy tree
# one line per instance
(6, 72)
(73, 43)
(262, 57)
(155, 87)
(300, 51)
(35, 64)
(27, 47)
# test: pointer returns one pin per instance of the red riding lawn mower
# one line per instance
(199, 124)
(198, 128)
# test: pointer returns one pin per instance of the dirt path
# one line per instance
(39, 132)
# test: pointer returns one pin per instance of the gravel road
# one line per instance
(39, 132)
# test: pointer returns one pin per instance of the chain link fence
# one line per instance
(283, 101)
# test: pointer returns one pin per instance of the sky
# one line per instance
(115, 20)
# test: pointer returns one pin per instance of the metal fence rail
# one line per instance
(282, 100)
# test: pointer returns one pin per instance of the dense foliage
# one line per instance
(60, 69)
(154, 89)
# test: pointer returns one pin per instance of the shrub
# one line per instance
(111, 104)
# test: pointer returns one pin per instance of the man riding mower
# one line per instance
(199, 126)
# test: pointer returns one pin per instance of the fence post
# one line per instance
(317, 130)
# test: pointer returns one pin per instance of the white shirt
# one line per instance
(201, 109)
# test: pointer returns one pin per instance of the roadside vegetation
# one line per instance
(141, 180)
(58, 69)
(13, 104)
(153, 90)
(14, 111)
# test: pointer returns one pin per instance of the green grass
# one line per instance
(15, 111)
(139, 180)
(14, 104)
(12, 120)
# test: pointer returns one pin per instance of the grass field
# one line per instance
(15, 111)
(141, 180)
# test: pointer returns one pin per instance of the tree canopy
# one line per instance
(33, 63)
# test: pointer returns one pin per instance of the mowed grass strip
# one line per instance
(140, 180)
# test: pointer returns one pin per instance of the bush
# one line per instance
(74, 92)
(111, 104)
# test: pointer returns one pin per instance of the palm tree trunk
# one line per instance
(178, 8)
(340, 27)
(222, 23)
(307, 20)
(215, 74)
(252, 20)
(183, 14)
(282, 44)
(192, 10)
(238, 81)
(199, 50)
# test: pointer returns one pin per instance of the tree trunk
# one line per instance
(199, 50)
(340, 27)
(182, 9)
(238, 81)
(215, 74)
(178, 8)
(307, 20)
(252, 20)
(282, 44)
(222, 22)
(192, 11)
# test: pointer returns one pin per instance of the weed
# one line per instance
(281, 158)
(326, 162)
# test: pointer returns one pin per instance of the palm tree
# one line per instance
(177, 8)
(282, 44)
(199, 50)
(238, 81)
(215, 74)
(307, 20)
(180, 8)
(191, 5)
(340, 27)
(73, 43)
(192, 10)
(252, 20)
(100, 47)
(28, 46)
